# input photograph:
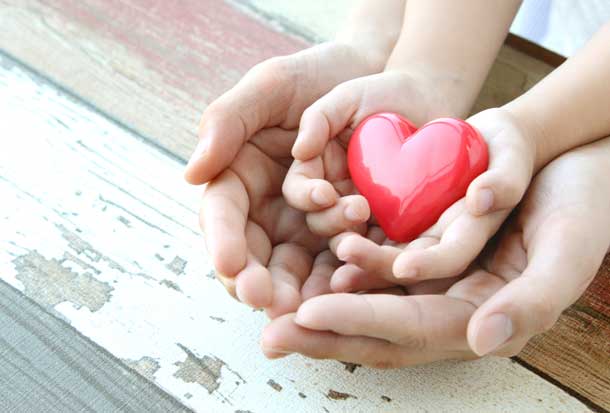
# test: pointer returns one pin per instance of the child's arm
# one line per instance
(454, 42)
(571, 106)
(447, 47)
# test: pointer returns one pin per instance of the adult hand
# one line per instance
(540, 263)
(244, 150)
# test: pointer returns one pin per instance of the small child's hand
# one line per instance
(319, 176)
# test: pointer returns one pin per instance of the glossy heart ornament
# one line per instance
(411, 176)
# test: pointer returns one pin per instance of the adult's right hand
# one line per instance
(244, 151)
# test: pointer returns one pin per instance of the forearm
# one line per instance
(455, 43)
(373, 29)
(570, 107)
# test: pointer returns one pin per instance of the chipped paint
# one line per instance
(50, 283)
(337, 395)
(274, 385)
(351, 367)
(177, 265)
(146, 366)
(204, 371)
(170, 284)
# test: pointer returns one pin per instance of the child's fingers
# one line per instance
(326, 118)
(366, 254)
(319, 279)
(304, 187)
(511, 160)
(461, 241)
(351, 278)
(418, 323)
(289, 265)
(348, 212)
(223, 217)
(563, 259)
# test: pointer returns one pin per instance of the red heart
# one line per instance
(411, 176)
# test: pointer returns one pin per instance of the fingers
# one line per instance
(223, 217)
(283, 336)
(253, 285)
(258, 100)
(511, 162)
(417, 323)
(318, 282)
(348, 212)
(304, 187)
(326, 118)
(373, 258)
(563, 258)
(351, 278)
(289, 265)
(461, 241)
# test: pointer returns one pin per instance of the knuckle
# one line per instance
(279, 69)
(412, 337)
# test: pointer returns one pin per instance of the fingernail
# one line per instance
(484, 200)
(494, 331)
(320, 196)
(200, 149)
(353, 213)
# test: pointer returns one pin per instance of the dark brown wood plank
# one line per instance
(154, 65)
(62, 371)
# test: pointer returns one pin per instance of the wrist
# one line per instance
(443, 93)
(533, 129)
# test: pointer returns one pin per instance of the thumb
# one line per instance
(258, 100)
(511, 163)
(563, 260)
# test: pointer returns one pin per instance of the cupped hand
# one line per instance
(318, 182)
(538, 264)
(448, 247)
(260, 247)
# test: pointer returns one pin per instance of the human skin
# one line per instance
(539, 263)
(261, 248)
(551, 123)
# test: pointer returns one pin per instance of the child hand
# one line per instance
(319, 175)
(540, 263)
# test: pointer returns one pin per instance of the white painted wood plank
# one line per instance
(98, 227)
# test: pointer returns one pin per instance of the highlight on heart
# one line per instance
(411, 176)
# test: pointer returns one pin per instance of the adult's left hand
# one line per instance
(540, 263)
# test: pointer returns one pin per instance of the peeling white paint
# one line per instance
(69, 182)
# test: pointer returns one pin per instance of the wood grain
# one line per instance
(97, 228)
(45, 365)
(154, 65)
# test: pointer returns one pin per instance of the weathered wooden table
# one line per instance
(107, 299)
